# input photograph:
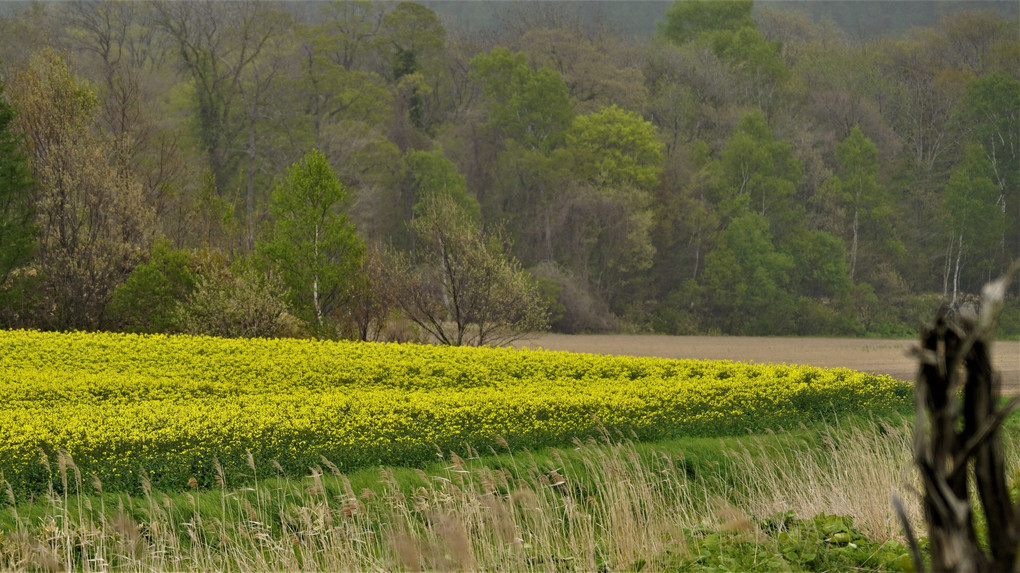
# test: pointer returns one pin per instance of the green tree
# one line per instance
(314, 248)
(528, 113)
(864, 212)
(335, 96)
(614, 148)
(433, 175)
(692, 93)
(757, 61)
(528, 105)
(349, 31)
(977, 222)
(344, 109)
(923, 94)
(992, 108)
(744, 285)
(530, 190)
(595, 70)
(414, 34)
(413, 39)
(857, 179)
(761, 173)
(688, 19)
(17, 232)
(820, 270)
(615, 159)
(820, 282)
(727, 28)
(686, 219)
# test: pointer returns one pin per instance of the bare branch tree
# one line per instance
(465, 289)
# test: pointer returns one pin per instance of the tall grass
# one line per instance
(855, 472)
(609, 504)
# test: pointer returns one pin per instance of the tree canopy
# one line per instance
(686, 20)
(743, 167)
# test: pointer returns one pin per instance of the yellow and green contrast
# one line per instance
(171, 406)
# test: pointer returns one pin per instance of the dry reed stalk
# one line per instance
(856, 475)
(639, 515)
(606, 506)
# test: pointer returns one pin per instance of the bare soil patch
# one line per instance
(866, 355)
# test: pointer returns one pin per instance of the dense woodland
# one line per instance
(372, 170)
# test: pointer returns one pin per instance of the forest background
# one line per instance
(311, 168)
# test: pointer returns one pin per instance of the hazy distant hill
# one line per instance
(870, 18)
(638, 18)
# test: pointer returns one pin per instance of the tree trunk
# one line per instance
(697, 256)
(956, 273)
(948, 270)
(315, 279)
(249, 206)
(853, 247)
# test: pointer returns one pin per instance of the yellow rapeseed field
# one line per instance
(174, 406)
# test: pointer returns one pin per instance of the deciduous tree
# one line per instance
(148, 300)
(760, 172)
(993, 110)
(858, 182)
(464, 288)
(595, 79)
(118, 45)
(615, 160)
(218, 45)
(976, 223)
(687, 19)
(613, 148)
(243, 302)
(350, 30)
(744, 286)
(434, 175)
(529, 105)
(373, 298)
(314, 248)
(412, 41)
(93, 224)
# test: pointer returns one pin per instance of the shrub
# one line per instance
(812, 317)
(148, 300)
(245, 303)
(575, 309)
(675, 315)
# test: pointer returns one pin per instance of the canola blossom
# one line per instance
(172, 406)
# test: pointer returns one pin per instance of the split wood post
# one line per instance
(957, 444)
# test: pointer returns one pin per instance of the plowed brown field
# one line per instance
(866, 355)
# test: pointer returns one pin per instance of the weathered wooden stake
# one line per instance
(954, 440)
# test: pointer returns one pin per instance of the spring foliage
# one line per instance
(312, 243)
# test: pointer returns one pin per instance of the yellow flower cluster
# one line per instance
(171, 405)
